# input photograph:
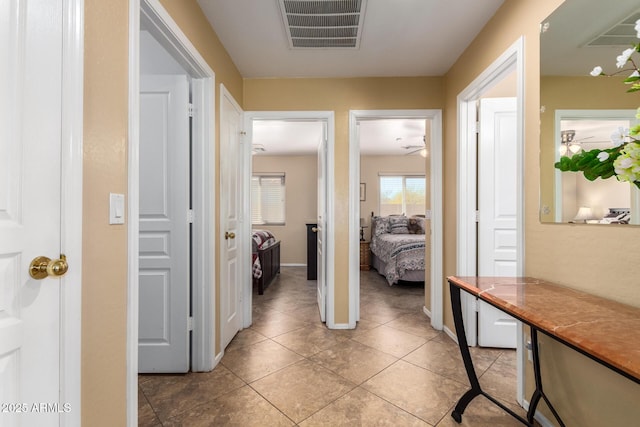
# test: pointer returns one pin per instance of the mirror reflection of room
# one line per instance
(581, 200)
(575, 38)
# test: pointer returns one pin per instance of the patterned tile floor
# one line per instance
(289, 369)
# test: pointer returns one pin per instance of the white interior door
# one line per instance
(231, 201)
(321, 279)
(497, 205)
(164, 224)
(30, 143)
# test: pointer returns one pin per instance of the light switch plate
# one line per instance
(116, 208)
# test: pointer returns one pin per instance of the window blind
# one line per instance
(268, 199)
(402, 194)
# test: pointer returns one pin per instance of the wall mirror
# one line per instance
(580, 112)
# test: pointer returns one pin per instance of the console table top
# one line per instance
(604, 329)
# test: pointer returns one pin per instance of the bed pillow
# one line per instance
(416, 225)
(399, 224)
(380, 225)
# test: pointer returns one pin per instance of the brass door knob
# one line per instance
(42, 267)
(228, 235)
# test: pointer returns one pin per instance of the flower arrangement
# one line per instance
(623, 160)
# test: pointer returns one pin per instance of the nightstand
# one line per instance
(365, 256)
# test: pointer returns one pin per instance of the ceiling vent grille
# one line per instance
(323, 23)
(622, 34)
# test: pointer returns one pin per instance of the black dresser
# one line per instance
(312, 252)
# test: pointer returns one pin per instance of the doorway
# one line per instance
(506, 70)
(318, 126)
(434, 214)
(166, 32)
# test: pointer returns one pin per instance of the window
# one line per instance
(402, 194)
(267, 199)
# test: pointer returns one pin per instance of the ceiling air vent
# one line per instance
(323, 23)
(622, 34)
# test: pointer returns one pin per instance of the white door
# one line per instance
(231, 200)
(497, 205)
(321, 279)
(164, 224)
(30, 148)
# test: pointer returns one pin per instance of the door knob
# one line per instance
(314, 229)
(228, 235)
(42, 267)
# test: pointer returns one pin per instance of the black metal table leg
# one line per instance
(456, 306)
(539, 392)
(475, 390)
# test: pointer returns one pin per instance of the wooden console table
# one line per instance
(603, 330)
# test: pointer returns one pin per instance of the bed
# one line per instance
(265, 259)
(398, 247)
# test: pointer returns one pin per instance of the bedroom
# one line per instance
(391, 149)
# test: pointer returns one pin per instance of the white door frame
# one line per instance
(328, 117)
(511, 60)
(435, 152)
(171, 37)
(71, 210)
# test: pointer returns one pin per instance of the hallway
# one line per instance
(288, 369)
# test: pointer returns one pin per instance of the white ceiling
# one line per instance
(399, 38)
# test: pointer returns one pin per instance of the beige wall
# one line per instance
(104, 276)
(587, 394)
(340, 96)
(301, 198)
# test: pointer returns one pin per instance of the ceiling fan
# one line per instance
(257, 149)
(422, 148)
(569, 145)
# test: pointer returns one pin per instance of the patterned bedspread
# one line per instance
(401, 253)
(261, 239)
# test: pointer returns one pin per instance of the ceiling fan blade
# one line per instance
(414, 151)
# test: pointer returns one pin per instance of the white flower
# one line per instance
(618, 137)
(596, 71)
(603, 155)
(637, 27)
(635, 74)
(624, 57)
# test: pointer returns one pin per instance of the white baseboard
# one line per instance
(539, 417)
(339, 326)
(450, 334)
(292, 265)
(426, 311)
(217, 359)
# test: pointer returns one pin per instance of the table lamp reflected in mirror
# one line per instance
(584, 215)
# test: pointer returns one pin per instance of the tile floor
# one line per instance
(289, 369)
